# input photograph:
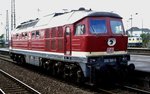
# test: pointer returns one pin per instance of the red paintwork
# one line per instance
(42, 43)
(63, 43)
(98, 43)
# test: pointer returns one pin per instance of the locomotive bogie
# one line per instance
(32, 60)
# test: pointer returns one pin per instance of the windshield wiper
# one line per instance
(93, 29)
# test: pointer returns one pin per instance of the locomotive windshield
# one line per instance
(116, 27)
(98, 26)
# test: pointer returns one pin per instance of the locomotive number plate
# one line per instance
(110, 50)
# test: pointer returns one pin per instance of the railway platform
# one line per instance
(142, 62)
(4, 49)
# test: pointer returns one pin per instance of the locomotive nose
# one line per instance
(106, 74)
(113, 73)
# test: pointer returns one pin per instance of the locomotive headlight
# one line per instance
(92, 60)
(124, 59)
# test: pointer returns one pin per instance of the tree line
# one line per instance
(146, 40)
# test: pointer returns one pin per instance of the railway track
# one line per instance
(139, 91)
(6, 58)
(11, 85)
(119, 89)
(115, 90)
(139, 51)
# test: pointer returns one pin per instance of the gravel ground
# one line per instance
(42, 83)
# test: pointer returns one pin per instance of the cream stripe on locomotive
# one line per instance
(40, 52)
(76, 53)
(81, 54)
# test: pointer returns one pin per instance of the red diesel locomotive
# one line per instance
(82, 45)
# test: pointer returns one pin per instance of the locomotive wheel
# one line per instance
(122, 74)
(14, 57)
(131, 67)
(22, 60)
(79, 76)
(57, 69)
(76, 73)
(66, 72)
(73, 73)
(18, 59)
(46, 65)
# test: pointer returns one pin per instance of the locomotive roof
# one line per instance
(60, 19)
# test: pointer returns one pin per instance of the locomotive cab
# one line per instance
(103, 41)
(100, 34)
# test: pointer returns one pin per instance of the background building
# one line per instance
(135, 31)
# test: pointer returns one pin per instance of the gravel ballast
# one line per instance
(43, 83)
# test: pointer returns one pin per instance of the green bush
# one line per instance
(146, 40)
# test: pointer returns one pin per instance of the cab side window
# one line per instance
(33, 35)
(37, 34)
(17, 36)
(67, 31)
(80, 29)
(26, 35)
(23, 35)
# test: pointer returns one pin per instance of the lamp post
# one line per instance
(142, 26)
(7, 29)
(131, 18)
(131, 23)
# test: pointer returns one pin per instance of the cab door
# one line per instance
(67, 38)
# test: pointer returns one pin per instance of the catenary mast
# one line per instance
(7, 28)
(13, 15)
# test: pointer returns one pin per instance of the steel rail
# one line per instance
(20, 82)
(137, 90)
(2, 92)
(106, 91)
(139, 51)
(123, 88)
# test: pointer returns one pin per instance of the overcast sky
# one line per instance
(28, 9)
